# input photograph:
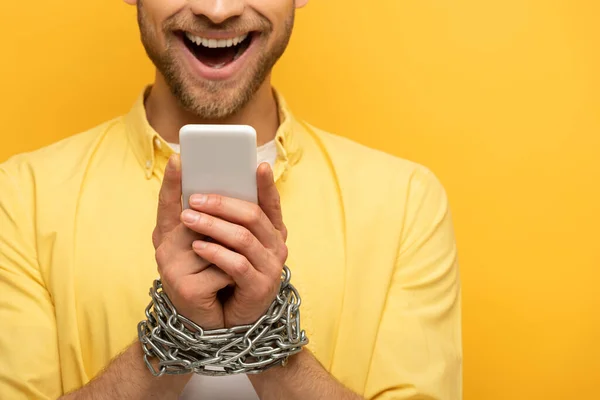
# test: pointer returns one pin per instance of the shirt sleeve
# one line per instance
(418, 352)
(30, 366)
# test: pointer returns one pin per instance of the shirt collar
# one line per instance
(150, 148)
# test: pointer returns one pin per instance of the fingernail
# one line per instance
(197, 199)
(199, 245)
(189, 217)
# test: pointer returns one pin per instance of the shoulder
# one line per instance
(60, 160)
(361, 169)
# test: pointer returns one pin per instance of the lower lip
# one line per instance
(214, 74)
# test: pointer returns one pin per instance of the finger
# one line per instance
(233, 236)
(238, 212)
(169, 198)
(268, 198)
(211, 280)
(175, 257)
(205, 283)
(233, 264)
(195, 296)
(180, 265)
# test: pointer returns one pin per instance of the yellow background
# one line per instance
(499, 98)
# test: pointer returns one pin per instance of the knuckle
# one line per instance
(284, 233)
(162, 199)
(161, 255)
(207, 221)
(255, 216)
(277, 204)
(213, 250)
(283, 252)
(275, 274)
(241, 266)
(215, 201)
(244, 237)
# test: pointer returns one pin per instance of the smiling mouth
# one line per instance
(217, 53)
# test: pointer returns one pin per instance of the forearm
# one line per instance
(127, 378)
(302, 378)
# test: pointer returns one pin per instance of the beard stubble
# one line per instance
(211, 100)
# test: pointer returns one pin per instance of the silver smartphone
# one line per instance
(218, 159)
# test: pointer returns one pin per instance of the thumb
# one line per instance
(268, 197)
(169, 199)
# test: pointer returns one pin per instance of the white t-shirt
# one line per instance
(231, 387)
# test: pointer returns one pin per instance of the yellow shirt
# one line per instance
(371, 248)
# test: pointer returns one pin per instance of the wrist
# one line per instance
(302, 378)
(277, 378)
(166, 384)
(177, 345)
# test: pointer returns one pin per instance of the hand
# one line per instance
(248, 253)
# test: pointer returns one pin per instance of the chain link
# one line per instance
(182, 347)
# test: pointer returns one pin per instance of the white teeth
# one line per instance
(215, 43)
(195, 39)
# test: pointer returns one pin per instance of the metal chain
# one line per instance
(182, 347)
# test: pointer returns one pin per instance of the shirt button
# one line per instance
(148, 164)
(157, 143)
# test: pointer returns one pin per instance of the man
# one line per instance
(367, 236)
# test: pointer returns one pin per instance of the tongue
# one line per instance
(216, 57)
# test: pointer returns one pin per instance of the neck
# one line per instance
(167, 116)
